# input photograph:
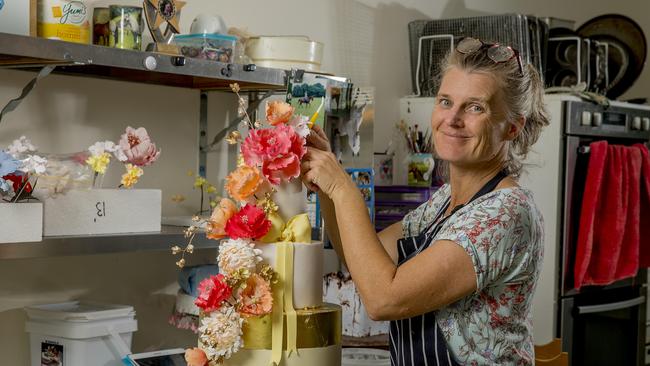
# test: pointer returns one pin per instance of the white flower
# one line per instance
(236, 254)
(300, 125)
(20, 146)
(119, 154)
(220, 333)
(101, 147)
(34, 164)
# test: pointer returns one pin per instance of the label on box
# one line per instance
(103, 211)
(51, 354)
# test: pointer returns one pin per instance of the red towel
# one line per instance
(608, 238)
(644, 216)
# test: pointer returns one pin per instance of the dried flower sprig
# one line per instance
(242, 105)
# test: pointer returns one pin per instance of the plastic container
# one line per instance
(215, 47)
(67, 20)
(80, 334)
(365, 357)
(285, 52)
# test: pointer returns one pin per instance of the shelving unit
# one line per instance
(30, 53)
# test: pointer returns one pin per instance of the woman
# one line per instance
(456, 276)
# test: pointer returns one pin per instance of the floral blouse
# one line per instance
(502, 232)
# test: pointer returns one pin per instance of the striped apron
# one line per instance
(418, 340)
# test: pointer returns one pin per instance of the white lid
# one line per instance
(75, 311)
(365, 357)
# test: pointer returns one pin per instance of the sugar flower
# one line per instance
(243, 182)
(284, 168)
(195, 357)
(138, 148)
(256, 298)
(300, 125)
(20, 146)
(99, 163)
(216, 226)
(20, 183)
(8, 164)
(221, 333)
(278, 112)
(249, 223)
(264, 145)
(5, 187)
(212, 292)
(34, 164)
(238, 254)
(130, 178)
(101, 147)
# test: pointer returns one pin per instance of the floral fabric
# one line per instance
(502, 232)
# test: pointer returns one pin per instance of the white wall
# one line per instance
(365, 40)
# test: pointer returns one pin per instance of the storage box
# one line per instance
(80, 334)
(285, 52)
(18, 17)
(21, 222)
(102, 211)
(215, 47)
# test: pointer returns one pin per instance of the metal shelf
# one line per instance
(103, 244)
(29, 53)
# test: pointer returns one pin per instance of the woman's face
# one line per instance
(468, 120)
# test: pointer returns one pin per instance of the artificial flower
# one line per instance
(5, 187)
(216, 226)
(220, 333)
(264, 145)
(256, 298)
(130, 178)
(101, 147)
(20, 183)
(243, 182)
(284, 168)
(278, 112)
(99, 163)
(300, 125)
(238, 254)
(212, 292)
(199, 181)
(20, 146)
(8, 164)
(178, 198)
(138, 148)
(211, 189)
(249, 223)
(196, 357)
(34, 164)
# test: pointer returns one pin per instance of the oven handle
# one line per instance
(611, 306)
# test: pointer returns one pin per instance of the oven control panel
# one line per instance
(622, 120)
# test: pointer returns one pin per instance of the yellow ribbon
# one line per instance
(297, 229)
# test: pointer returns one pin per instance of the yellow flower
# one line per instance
(211, 189)
(99, 163)
(130, 178)
(199, 181)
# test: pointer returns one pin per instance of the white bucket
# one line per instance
(365, 357)
(80, 334)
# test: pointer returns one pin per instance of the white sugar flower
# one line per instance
(236, 254)
(300, 124)
(34, 164)
(20, 146)
(101, 147)
(220, 333)
(5, 187)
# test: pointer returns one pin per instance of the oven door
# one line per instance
(605, 327)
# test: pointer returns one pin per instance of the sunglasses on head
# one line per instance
(495, 52)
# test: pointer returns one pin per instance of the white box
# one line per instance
(21, 222)
(80, 334)
(102, 211)
(18, 17)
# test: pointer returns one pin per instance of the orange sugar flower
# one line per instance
(195, 357)
(243, 182)
(256, 298)
(278, 112)
(220, 215)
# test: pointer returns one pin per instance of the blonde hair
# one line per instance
(523, 93)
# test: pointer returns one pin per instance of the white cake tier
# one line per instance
(325, 356)
(307, 271)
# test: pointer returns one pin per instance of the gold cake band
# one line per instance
(320, 327)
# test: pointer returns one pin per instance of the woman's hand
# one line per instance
(318, 140)
(321, 171)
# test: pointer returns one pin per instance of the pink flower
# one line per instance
(278, 112)
(280, 169)
(249, 223)
(195, 357)
(138, 148)
(256, 298)
(212, 292)
(263, 145)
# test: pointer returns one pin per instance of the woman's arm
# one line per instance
(440, 275)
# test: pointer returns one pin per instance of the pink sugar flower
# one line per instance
(138, 148)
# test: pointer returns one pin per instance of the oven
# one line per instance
(599, 325)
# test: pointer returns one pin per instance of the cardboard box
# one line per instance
(21, 222)
(102, 211)
(18, 17)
